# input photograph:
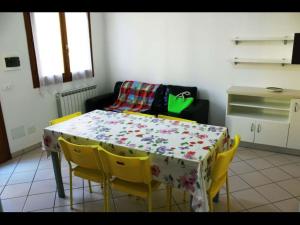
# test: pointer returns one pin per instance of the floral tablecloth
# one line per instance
(182, 153)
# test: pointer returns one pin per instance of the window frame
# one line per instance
(67, 75)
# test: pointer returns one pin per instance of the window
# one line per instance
(59, 47)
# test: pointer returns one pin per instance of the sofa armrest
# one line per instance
(197, 111)
(99, 102)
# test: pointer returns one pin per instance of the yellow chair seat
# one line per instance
(64, 118)
(89, 174)
(175, 118)
(138, 113)
(137, 189)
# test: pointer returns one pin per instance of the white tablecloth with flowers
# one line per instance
(181, 152)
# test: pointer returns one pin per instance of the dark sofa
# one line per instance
(197, 111)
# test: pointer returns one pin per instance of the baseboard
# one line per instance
(28, 149)
(270, 148)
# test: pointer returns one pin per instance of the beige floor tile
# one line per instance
(13, 204)
(174, 208)
(86, 184)
(117, 194)
(66, 208)
(159, 198)
(255, 179)
(45, 164)
(292, 158)
(26, 166)
(21, 177)
(44, 210)
(4, 179)
(15, 190)
(275, 174)
(265, 208)
(236, 159)
(263, 153)
(221, 206)
(40, 201)
(45, 174)
(43, 186)
(8, 167)
(236, 184)
(259, 163)
(292, 186)
(77, 198)
(292, 169)
(1, 188)
(96, 195)
(130, 204)
(273, 192)
(246, 154)
(97, 206)
(278, 159)
(290, 205)
(241, 167)
(230, 173)
(77, 182)
(249, 198)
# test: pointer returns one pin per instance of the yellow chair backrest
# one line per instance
(221, 166)
(83, 155)
(175, 118)
(138, 113)
(64, 118)
(131, 169)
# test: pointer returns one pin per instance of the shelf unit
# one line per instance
(284, 39)
(282, 61)
(264, 117)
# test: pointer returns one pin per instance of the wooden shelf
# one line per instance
(261, 116)
(262, 105)
(284, 39)
(282, 61)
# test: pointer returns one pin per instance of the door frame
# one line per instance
(4, 145)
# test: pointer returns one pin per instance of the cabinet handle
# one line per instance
(252, 127)
(258, 128)
(296, 106)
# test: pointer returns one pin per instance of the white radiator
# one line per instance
(74, 100)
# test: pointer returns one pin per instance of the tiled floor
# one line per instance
(260, 181)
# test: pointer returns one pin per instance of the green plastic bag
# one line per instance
(178, 103)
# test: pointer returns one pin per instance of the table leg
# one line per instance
(57, 173)
(1, 209)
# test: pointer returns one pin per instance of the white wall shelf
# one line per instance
(262, 105)
(282, 61)
(284, 39)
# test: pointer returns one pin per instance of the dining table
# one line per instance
(182, 153)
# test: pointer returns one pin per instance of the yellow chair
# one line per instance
(138, 113)
(175, 118)
(64, 118)
(128, 174)
(87, 161)
(219, 173)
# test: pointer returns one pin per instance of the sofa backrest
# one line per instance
(159, 103)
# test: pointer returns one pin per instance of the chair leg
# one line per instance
(90, 186)
(106, 186)
(71, 190)
(169, 197)
(227, 192)
(211, 206)
(150, 202)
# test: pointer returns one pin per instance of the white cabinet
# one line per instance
(263, 117)
(294, 130)
(243, 126)
(258, 131)
(271, 133)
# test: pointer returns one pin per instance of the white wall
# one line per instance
(196, 48)
(23, 105)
